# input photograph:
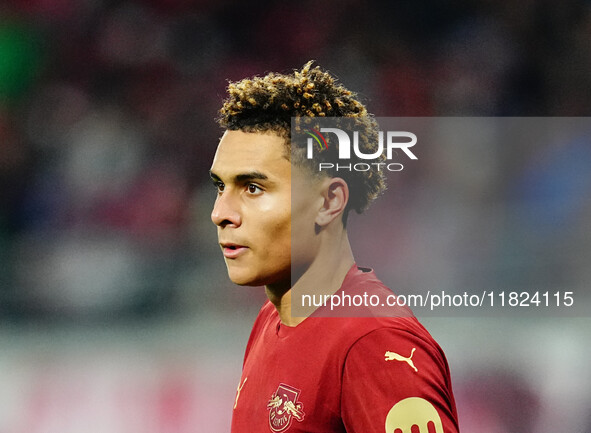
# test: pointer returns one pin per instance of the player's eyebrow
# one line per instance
(242, 177)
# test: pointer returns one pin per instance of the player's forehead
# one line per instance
(240, 151)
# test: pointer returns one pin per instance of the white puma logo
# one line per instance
(393, 356)
(238, 390)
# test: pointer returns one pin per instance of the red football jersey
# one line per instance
(343, 374)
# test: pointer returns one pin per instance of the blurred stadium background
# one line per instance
(116, 314)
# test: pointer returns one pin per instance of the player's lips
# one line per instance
(232, 251)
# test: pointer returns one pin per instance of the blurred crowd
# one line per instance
(107, 130)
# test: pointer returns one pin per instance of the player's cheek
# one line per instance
(278, 256)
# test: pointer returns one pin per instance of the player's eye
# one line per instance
(219, 186)
(254, 189)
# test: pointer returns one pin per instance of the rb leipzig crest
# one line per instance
(284, 407)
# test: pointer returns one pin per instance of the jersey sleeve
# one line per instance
(393, 380)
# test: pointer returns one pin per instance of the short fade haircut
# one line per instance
(267, 104)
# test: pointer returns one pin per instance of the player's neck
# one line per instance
(325, 274)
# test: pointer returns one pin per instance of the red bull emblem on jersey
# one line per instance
(283, 407)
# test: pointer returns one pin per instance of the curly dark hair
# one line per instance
(269, 103)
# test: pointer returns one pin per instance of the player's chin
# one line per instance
(243, 281)
(242, 276)
(255, 274)
(249, 279)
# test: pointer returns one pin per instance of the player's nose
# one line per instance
(226, 211)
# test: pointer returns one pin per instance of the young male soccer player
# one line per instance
(314, 374)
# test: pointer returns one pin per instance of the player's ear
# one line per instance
(335, 194)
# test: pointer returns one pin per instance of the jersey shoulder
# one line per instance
(266, 317)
